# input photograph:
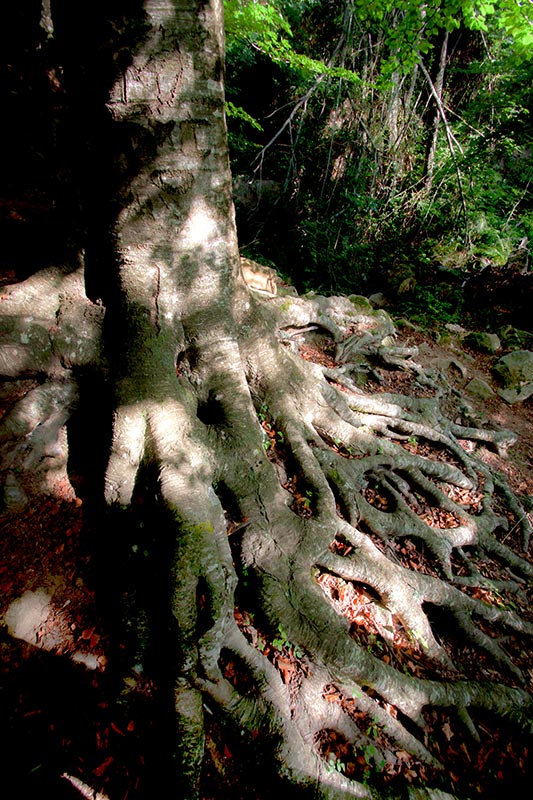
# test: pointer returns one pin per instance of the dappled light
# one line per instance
(33, 619)
(255, 539)
(200, 228)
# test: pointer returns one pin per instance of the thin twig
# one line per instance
(451, 141)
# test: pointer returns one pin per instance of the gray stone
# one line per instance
(480, 388)
(517, 395)
(449, 363)
(515, 369)
(285, 290)
(360, 302)
(456, 329)
(27, 617)
(378, 300)
(403, 323)
(515, 339)
(484, 342)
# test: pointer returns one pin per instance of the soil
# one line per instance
(493, 412)
(68, 731)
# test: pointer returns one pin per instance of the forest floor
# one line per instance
(65, 731)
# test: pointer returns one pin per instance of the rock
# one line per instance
(480, 388)
(378, 300)
(286, 290)
(515, 339)
(403, 323)
(360, 302)
(516, 395)
(449, 363)
(400, 277)
(456, 329)
(259, 277)
(407, 286)
(515, 369)
(26, 619)
(483, 342)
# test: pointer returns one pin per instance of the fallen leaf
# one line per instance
(465, 751)
(99, 771)
(287, 669)
(117, 729)
(403, 755)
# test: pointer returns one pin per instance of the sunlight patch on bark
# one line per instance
(201, 226)
(129, 436)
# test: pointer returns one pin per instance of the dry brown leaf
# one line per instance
(287, 669)
(99, 771)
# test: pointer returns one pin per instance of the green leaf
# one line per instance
(238, 112)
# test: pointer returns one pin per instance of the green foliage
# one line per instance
(512, 17)
(258, 22)
(354, 158)
(433, 306)
(495, 129)
(282, 642)
(335, 764)
(263, 413)
(411, 28)
(374, 760)
(239, 113)
(265, 27)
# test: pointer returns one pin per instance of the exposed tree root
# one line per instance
(220, 474)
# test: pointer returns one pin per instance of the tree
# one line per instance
(197, 368)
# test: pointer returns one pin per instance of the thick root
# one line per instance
(289, 487)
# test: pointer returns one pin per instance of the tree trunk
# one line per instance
(439, 86)
(266, 465)
(177, 364)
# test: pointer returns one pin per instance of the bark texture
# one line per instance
(197, 363)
